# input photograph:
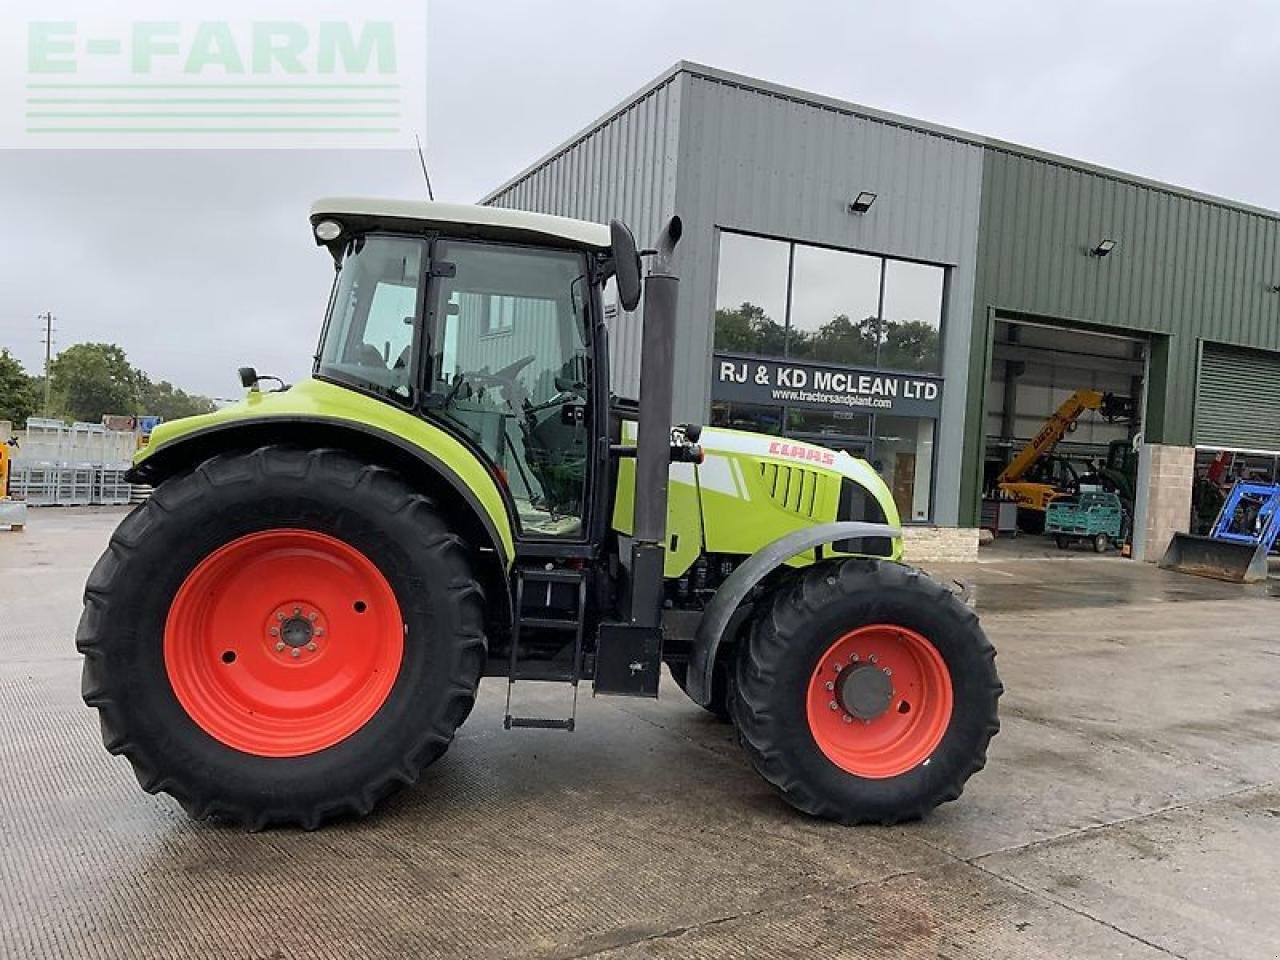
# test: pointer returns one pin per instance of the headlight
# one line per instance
(328, 230)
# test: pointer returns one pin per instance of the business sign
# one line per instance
(816, 386)
(239, 74)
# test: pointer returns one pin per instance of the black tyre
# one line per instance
(720, 680)
(1062, 541)
(226, 701)
(867, 692)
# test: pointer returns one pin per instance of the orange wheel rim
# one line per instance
(283, 643)
(879, 701)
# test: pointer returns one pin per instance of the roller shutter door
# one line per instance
(1238, 398)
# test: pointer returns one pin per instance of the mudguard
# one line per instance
(720, 611)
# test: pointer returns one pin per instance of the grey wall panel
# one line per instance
(759, 160)
(622, 166)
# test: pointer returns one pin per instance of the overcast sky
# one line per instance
(197, 262)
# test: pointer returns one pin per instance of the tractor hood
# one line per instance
(751, 489)
(768, 448)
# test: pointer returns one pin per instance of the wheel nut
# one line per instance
(833, 705)
(853, 658)
(888, 672)
(280, 616)
(275, 631)
(311, 645)
(279, 645)
(848, 719)
(319, 633)
(872, 658)
(312, 616)
(837, 667)
(296, 611)
(830, 685)
(295, 652)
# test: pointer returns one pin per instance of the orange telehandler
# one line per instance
(1035, 495)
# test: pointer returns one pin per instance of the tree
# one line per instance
(839, 340)
(165, 400)
(88, 380)
(909, 345)
(19, 397)
(750, 330)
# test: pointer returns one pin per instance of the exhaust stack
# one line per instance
(653, 445)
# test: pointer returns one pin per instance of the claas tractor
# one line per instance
(295, 623)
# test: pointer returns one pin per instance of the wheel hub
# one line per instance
(864, 690)
(296, 632)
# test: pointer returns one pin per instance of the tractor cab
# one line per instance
(487, 330)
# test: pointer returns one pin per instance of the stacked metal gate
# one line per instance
(66, 466)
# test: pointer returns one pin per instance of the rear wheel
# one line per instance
(866, 693)
(1062, 541)
(282, 636)
(719, 705)
(1100, 543)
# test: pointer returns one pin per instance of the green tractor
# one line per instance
(296, 622)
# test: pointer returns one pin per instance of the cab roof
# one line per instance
(460, 219)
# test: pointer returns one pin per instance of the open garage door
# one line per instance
(1063, 408)
(1238, 399)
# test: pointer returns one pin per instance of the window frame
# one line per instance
(792, 244)
(595, 510)
(369, 387)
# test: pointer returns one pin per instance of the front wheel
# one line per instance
(282, 636)
(866, 692)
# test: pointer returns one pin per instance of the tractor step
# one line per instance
(548, 601)
(538, 723)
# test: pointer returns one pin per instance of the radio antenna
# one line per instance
(423, 160)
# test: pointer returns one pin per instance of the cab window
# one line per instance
(369, 336)
(508, 365)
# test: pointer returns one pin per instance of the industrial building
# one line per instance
(925, 297)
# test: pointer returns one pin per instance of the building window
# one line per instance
(903, 456)
(835, 307)
(912, 315)
(753, 417)
(780, 299)
(751, 296)
(499, 315)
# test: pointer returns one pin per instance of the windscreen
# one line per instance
(369, 336)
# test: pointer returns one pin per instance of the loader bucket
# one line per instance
(1218, 559)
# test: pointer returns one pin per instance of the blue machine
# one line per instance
(1250, 515)
(1236, 548)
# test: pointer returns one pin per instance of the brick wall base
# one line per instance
(939, 544)
(1172, 473)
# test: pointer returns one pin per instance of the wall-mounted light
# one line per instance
(862, 202)
(1104, 247)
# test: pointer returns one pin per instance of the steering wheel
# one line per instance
(504, 378)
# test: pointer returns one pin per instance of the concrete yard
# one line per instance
(1130, 808)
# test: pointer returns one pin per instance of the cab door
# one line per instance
(508, 366)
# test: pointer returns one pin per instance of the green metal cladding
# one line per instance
(1187, 269)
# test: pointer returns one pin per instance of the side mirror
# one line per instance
(626, 264)
(248, 377)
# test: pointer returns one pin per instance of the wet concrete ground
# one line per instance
(1130, 809)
